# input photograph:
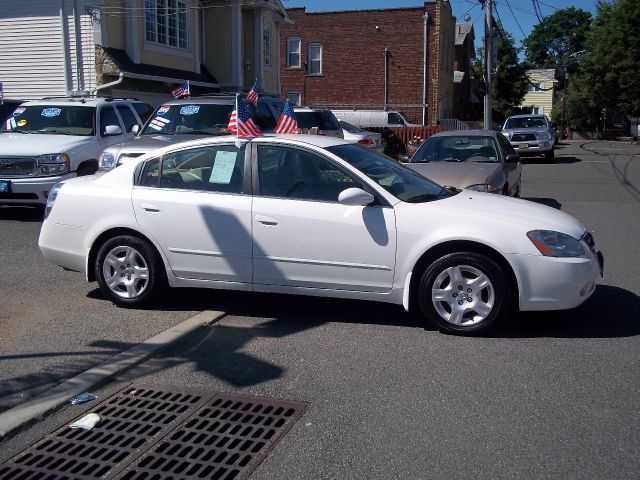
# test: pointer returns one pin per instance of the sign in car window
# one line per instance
(51, 112)
(189, 110)
(223, 167)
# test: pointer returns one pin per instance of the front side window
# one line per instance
(266, 44)
(287, 172)
(293, 52)
(398, 180)
(166, 22)
(53, 119)
(315, 59)
(218, 168)
(395, 119)
(108, 117)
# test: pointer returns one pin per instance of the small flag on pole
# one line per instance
(288, 122)
(181, 91)
(252, 96)
(240, 122)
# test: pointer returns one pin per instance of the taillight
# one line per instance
(366, 142)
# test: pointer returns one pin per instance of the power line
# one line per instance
(536, 8)
(514, 17)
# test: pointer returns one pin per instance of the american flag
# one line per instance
(287, 122)
(181, 91)
(252, 96)
(240, 122)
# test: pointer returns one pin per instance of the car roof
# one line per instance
(212, 100)
(78, 101)
(530, 115)
(466, 133)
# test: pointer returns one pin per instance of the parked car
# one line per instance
(530, 135)
(373, 118)
(315, 215)
(369, 140)
(320, 120)
(47, 141)
(185, 119)
(481, 160)
(7, 107)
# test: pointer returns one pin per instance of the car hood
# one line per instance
(30, 144)
(458, 174)
(514, 210)
(147, 143)
(526, 130)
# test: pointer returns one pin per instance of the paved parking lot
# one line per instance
(552, 394)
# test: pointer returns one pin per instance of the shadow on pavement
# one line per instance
(543, 161)
(611, 312)
(549, 202)
(22, 214)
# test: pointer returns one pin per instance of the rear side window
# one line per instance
(149, 175)
(322, 119)
(128, 117)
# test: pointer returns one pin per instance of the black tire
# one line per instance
(143, 253)
(550, 155)
(497, 294)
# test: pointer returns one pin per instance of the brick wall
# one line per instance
(353, 57)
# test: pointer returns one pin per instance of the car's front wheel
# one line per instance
(129, 271)
(464, 293)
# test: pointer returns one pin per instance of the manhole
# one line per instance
(149, 432)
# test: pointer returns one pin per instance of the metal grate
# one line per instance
(151, 432)
(17, 166)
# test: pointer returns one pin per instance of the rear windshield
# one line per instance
(52, 119)
(526, 122)
(201, 119)
(324, 120)
(350, 128)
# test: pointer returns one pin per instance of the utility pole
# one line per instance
(488, 54)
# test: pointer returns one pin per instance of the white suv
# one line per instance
(46, 141)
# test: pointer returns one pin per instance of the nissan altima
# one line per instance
(313, 215)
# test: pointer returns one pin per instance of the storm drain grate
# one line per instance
(152, 433)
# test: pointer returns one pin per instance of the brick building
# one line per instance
(338, 59)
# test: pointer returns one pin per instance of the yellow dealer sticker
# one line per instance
(22, 123)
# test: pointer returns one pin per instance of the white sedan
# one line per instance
(316, 215)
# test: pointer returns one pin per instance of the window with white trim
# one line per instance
(266, 44)
(536, 87)
(165, 22)
(295, 98)
(293, 52)
(314, 54)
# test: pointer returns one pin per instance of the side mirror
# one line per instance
(403, 158)
(512, 158)
(135, 129)
(356, 197)
(111, 130)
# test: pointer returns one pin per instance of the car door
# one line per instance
(193, 202)
(513, 170)
(302, 236)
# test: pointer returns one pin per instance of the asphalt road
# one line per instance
(552, 394)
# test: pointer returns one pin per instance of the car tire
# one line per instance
(550, 155)
(129, 271)
(464, 293)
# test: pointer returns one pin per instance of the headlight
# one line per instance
(556, 244)
(51, 198)
(53, 163)
(107, 161)
(483, 187)
(543, 135)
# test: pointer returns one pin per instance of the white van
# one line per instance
(373, 118)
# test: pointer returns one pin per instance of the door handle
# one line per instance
(149, 207)
(272, 222)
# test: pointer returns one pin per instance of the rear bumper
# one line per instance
(30, 191)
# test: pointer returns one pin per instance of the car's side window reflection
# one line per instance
(294, 173)
(216, 168)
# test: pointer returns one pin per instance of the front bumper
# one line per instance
(31, 190)
(550, 283)
(533, 147)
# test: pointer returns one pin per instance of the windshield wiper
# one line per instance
(451, 159)
(420, 198)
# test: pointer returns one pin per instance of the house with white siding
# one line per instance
(141, 48)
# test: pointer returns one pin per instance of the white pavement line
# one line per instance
(40, 405)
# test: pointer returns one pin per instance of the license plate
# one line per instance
(523, 145)
(5, 186)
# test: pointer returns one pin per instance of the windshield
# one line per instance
(457, 149)
(526, 122)
(322, 119)
(189, 119)
(52, 119)
(398, 180)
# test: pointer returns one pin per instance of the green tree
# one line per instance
(555, 38)
(608, 82)
(509, 82)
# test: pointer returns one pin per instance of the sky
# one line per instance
(518, 21)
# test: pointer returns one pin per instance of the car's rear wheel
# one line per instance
(464, 293)
(129, 271)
